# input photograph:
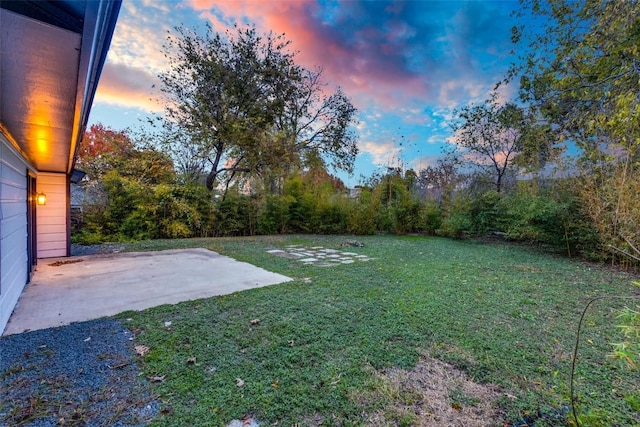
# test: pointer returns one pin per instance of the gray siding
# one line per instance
(13, 229)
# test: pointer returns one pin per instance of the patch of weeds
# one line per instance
(460, 400)
(545, 417)
(14, 369)
(633, 400)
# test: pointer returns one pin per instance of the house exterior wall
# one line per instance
(13, 228)
(52, 218)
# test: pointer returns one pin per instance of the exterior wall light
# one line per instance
(41, 199)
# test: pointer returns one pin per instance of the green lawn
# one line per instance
(505, 315)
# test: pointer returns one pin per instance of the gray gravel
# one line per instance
(83, 374)
(103, 248)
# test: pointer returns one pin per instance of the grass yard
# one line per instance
(364, 343)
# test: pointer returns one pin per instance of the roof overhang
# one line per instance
(51, 56)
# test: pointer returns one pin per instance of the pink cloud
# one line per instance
(128, 87)
(363, 66)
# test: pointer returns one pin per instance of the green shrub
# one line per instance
(274, 215)
(183, 210)
(486, 212)
(235, 215)
(407, 216)
(332, 216)
(87, 237)
(361, 214)
(553, 218)
(457, 220)
(431, 217)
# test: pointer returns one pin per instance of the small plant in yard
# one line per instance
(429, 328)
(628, 351)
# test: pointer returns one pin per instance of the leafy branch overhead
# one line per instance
(581, 73)
(237, 105)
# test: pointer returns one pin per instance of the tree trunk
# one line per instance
(211, 179)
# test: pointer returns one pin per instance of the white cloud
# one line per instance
(436, 139)
(385, 153)
(421, 162)
(139, 36)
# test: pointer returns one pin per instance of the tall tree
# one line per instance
(438, 182)
(237, 103)
(582, 72)
(315, 121)
(489, 136)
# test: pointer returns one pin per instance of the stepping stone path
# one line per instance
(318, 255)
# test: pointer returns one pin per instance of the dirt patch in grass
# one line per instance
(433, 394)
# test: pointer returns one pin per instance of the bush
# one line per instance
(457, 218)
(274, 216)
(235, 215)
(486, 212)
(553, 218)
(431, 217)
(362, 214)
(407, 216)
(332, 216)
(132, 210)
(183, 210)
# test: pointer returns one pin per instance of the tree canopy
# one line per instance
(582, 71)
(237, 104)
(489, 135)
(582, 74)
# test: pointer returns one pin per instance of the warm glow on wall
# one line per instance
(41, 199)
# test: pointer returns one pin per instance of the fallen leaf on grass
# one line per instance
(337, 379)
(141, 349)
(275, 384)
(255, 321)
(239, 382)
(167, 324)
(191, 360)
(119, 365)
(157, 378)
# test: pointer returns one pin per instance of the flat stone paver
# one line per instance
(319, 256)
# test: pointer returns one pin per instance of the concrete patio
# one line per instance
(67, 290)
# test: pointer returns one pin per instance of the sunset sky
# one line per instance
(405, 65)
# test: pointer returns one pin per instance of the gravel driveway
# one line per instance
(83, 374)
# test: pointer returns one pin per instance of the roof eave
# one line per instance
(100, 22)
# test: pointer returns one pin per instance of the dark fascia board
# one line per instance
(62, 14)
